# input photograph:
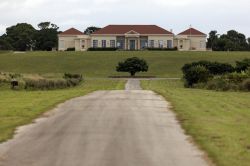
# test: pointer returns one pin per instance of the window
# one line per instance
(151, 43)
(112, 43)
(160, 44)
(144, 44)
(120, 44)
(103, 43)
(95, 43)
(169, 44)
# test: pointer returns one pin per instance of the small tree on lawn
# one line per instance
(132, 65)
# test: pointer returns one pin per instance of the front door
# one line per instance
(132, 44)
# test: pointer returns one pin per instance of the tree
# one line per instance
(91, 30)
(132, 65)
(232, 41)
(212, 39)
(19, 36)
(196, 74)
(46, 38)
(5, 45)
(248, 41)
(242, 65)
(44, 25)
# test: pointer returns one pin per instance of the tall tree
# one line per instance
(232, 41)
(248, 41)
(212, 39)
(44, 25)
(4, 44)
(20, 36)
(46, 38)
(235, 41)
(91, 30)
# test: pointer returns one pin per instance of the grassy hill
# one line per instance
(218, 121)
(102, 64)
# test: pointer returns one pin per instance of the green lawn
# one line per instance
(102, 64)
(21, 107)
(218, 121)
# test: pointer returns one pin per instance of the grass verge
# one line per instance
(218, 121)
(21, 107)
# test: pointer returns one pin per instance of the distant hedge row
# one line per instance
(149, 49)
(18, 82)
(102, 49)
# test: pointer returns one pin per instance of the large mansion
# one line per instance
(132, 37)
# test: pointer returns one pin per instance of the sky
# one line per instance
(178, 15)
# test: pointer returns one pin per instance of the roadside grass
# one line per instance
(21, 107)
(102, 64)
(218, 121)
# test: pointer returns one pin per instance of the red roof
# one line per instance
(192, 31)
(72, 31)
(141, 29)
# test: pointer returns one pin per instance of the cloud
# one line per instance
(205, 15)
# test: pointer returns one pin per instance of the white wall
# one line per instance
(163, 38)
(100, 38)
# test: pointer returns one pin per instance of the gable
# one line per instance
(72, 31)
(132, 32)
(192, 31)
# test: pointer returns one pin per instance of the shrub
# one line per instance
(73, 82)
(196, 74)
(102, 49)
(45, 84)
(236, 77)
(214, 68)
(163, 49)
(220, 84)
(242, 65)
(246, 84)
(132, 65)
(70, 76)
(71, 49)
(73, 79)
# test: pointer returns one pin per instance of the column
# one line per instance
(139, 43)
(125, 44)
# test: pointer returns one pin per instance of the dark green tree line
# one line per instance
(23, 36)
(232, 41)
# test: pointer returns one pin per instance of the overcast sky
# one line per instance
(205, 15)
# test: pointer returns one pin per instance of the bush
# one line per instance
(132, 65)
(70, 80)
(246, 84)
(214, 68)
(233, 81)
(45, 84)
(70, 76)
(242, 65)
(73, 79)
(102, 49)
(196, 74)
(221, 84)
(236, 77)
(71, 49)
(163, 49)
